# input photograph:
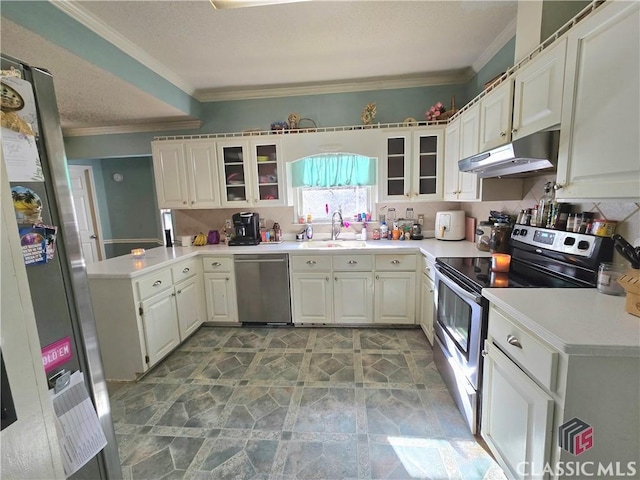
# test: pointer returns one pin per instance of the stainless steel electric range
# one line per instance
(540, 258)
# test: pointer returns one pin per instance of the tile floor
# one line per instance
(296, 403)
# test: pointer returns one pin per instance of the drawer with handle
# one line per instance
(353, 263)
(529, 352)
(184, 270)
(217, 264)
(310, 262)
(390, 263)
(154, 283)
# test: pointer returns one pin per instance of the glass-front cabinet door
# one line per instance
(232, 158)
(395, 166)
(250, 172)
(267, 172)
(428, 164)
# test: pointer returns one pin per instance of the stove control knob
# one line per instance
(568, 241)
(523, 232)
(583, 245)
(516, 232)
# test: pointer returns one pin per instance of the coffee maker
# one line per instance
(247, 229)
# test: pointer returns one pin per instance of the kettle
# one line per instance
(416, 232)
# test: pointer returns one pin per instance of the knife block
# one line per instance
(630, 281)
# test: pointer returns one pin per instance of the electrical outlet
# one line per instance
(420, 219)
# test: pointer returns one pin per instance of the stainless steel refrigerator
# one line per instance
(59, 287)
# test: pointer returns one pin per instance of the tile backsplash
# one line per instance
(627, 214)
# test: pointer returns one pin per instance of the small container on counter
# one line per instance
(376, 234)
(608, 275)
(603, 228)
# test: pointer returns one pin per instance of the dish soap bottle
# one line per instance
(309, 231)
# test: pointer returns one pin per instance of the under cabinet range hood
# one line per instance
(525, 156)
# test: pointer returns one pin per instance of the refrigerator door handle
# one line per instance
(60, 380)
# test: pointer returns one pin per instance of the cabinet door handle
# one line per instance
(512, 340)
(192, 202)
(184, 202)
(227, 279)
(352, 262)
(173, 294)
(484, 353)
(93, 237)
(179, 292)
(311, 262)
(216, 264)
(428, 269)
(327, 279)
(430, 291)
(185, 270)
(157, 283)
(395, 262)
(514, 131)
(503, 134)
(336, 279)
(377, 277)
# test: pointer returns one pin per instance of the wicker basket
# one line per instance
(449, 113)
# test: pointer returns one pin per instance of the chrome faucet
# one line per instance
(335, 232)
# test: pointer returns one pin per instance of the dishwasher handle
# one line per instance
(261, 260)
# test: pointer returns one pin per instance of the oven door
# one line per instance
(460, 324)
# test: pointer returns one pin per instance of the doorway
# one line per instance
(86, 210)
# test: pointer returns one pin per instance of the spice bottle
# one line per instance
(571, 221)
(277, 232)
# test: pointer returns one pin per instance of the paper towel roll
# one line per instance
(185, 241)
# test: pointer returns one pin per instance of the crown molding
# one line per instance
(384, 83)
(73, 10)
(132, 128)
(500, 41)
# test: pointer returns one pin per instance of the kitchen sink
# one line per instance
(316, 244)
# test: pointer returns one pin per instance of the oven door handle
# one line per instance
(458, 289)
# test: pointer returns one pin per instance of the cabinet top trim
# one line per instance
(277, 133)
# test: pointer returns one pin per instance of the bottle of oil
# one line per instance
(545, 205)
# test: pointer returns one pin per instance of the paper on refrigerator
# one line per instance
(79, 431)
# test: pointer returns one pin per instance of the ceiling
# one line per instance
(268, 50)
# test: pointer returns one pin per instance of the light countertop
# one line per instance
(160, 257)
(576, 321)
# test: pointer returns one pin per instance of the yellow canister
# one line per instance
(603, 228)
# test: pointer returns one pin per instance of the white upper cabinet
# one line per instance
(470, 132)
(186, 174)
(599, 154)
(457, 185)
(537, 103)
(495, 116)
(250, 172)
(170, 174)
(411, 164)
(202, 174)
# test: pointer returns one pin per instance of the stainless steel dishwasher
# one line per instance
(262, 288)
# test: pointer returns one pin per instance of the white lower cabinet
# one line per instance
(532, 391)
(312, 297)
(395, 297)
(160, 320)
(427, 300)
(353, 297)
(220, 289)
(517, 415)
(190, 302)
(141, 320)
(395, 289)
(220, 292)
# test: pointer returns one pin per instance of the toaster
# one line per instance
(450, 225)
